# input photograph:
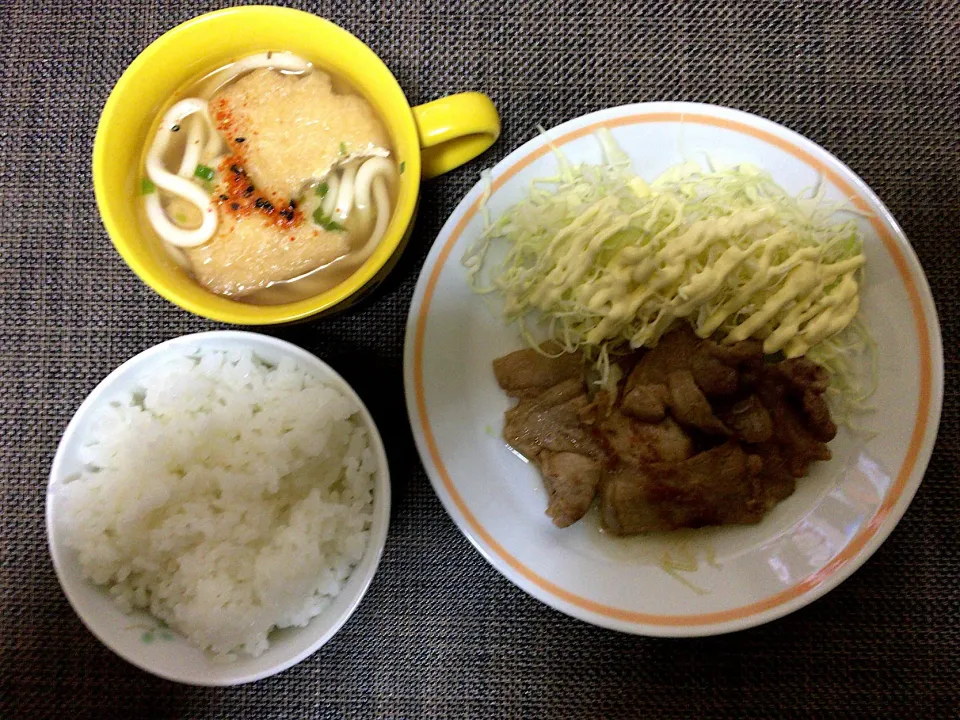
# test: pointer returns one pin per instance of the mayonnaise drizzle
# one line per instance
(728, 251)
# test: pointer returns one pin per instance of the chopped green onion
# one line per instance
(205, 172)
(147, 186)
(322, 189)
(326, 222)
(403, 166)
(343, 148)
(181, 218)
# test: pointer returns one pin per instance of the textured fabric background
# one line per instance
(441, 634)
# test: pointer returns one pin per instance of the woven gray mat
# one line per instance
(441, 634)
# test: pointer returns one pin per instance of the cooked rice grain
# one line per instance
(226, 496)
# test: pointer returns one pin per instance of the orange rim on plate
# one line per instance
(859, 541)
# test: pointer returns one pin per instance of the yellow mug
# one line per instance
(428, 139)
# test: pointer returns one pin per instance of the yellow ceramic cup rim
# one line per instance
(139, 97)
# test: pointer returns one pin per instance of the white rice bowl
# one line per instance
(225, 496)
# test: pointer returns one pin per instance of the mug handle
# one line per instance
(454, 130)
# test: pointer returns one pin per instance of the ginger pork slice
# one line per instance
(290, 129)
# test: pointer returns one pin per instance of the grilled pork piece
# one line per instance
(749, 420)
(698, 434)
(647, 402)
(690, 406)
(571, 480)
(639, 442)
(528, 372)
(714, 487)
(551, 421)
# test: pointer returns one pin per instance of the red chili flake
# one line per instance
(238, 197)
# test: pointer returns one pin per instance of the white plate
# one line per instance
(141, 639)
(747, 575)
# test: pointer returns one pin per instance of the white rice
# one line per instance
(225, 496)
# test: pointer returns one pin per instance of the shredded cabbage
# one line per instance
(606, 261)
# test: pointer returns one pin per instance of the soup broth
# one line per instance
(269, 180)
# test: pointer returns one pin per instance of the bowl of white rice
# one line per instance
(217, 507)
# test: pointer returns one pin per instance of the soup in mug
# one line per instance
(271, 180)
